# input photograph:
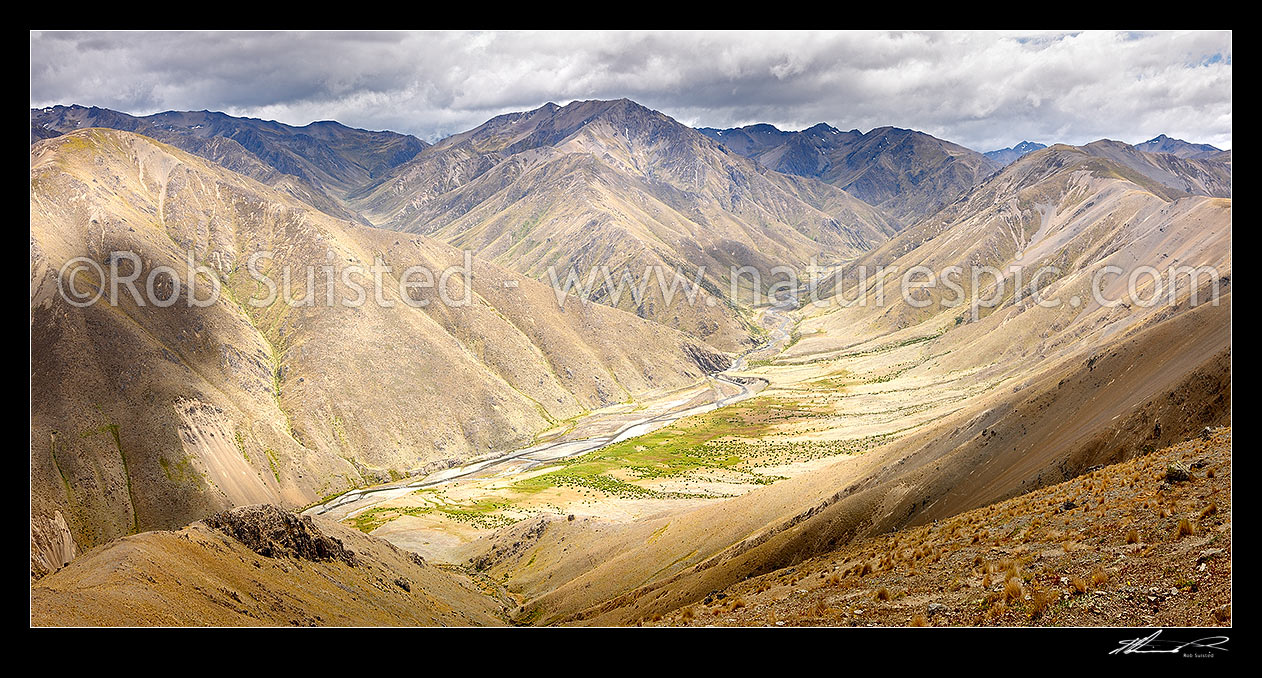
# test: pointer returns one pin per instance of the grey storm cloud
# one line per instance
(981, 89)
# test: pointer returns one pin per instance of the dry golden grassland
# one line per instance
(1143, 542)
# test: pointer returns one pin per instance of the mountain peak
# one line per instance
(822, 128)
(1178, 147)
(1006, 156)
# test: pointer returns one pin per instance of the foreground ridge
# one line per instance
(260, 565)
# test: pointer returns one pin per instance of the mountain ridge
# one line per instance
(1178, 147)
(317, 163)
(906, 172)
(640, 191)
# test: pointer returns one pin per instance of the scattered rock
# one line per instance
(935, 608)
(1177, 473)
(1209, 554)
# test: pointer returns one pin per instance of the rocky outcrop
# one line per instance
(273, 532)
(52, 545)
(708, 360)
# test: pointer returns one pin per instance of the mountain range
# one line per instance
(908, 174)
(148, 419)
(612, 183)
(317, 163)
(1020, 398)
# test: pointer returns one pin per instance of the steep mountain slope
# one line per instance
(1033, 395)
(259, 566)
(148, 416)
(1105, 548)
(611, 183)
(1072, 210)
(1179, 147)
(1006, 156)
(1060, 424)
(906, 173)
(317, 163)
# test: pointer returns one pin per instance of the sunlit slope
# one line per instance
(148, 417)
(1139, 392)
(317, 163)
(1046, 392)
(258, 566)
(1052, 224)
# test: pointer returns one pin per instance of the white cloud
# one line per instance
(984, 90)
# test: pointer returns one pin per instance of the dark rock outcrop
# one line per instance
(273, 532)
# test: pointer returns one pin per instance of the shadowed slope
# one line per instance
(906, 173)
(611, 183)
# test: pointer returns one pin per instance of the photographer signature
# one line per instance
(1153, 645)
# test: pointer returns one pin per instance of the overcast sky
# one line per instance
(983, 90)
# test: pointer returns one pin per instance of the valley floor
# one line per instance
(804, 417)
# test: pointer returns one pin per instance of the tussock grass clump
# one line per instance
(1040, 600)
(1132, 537)
(919, 621)
(1012, 591)
(1183, 529)
(1079, 585)
(883, 594)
